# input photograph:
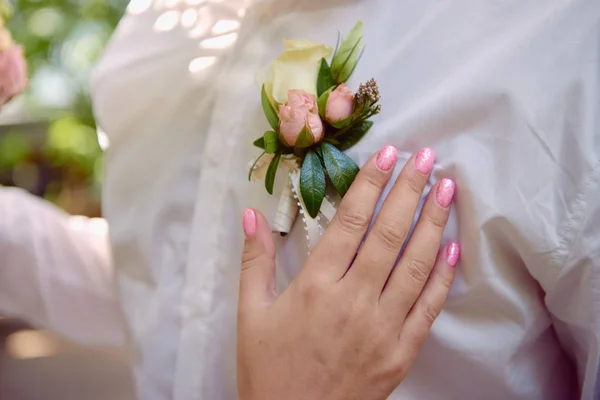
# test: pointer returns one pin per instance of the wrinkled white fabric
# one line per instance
(56, 271)
(505, 92)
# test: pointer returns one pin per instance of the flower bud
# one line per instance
(298, 113)
(339, 104)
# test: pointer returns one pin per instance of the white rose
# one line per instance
(296, 68)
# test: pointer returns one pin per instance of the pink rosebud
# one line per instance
(300, 111)
(340, 104)
(13, 73)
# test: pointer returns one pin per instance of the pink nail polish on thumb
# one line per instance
(249, 222)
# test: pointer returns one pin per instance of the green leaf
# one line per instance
(333, 141)
(348, 65)
(354, 134)
(345, 60)
(269, 110)
(322, 101)
(254, 165)
(342, 123)
(260, 143)
(340, 168)
(324, 80)
(320, 154)
(305, 139)
(271, 142)
(312, 183)
(337, 43)
(362, 51)
(271, 172)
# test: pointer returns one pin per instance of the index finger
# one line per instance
(343, 236)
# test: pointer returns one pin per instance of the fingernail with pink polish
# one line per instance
(445, 192)
(452, 254)
(424, 160)
(386, 158)
(249, 222)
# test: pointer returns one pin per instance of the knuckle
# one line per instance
(396, 367)
(249, 258)
(391, 235)
(372, 179)
(418, 270)
(437, 221)
(400, 369)
(444, 281)
(343, 319)
(413, 186)
(429, 313)
(361, 303)
(310, 288)
(353, 221)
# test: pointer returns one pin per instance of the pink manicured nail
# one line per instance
(445, 192)
(452, 254)
(386, 158)
(424, 160)
(249, 222)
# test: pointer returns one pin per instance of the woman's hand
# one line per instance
(351, 324)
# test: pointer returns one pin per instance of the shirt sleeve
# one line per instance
(574, 297)
(56, 271)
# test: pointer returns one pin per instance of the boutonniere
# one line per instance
(314, 117)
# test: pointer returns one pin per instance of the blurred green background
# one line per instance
(48, 140)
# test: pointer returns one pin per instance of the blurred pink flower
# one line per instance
(340, 104)
(13, 73)
(300, 111)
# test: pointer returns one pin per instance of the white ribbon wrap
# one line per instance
(287, 210)
(311, 225)
(290, 201)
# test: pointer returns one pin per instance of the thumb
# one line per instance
(257, 279)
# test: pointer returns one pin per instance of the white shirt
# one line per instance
(56, 270)
(506, 92)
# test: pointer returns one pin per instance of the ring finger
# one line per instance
(412, 272)
(380, 251)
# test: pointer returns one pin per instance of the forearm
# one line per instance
(56, 270)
